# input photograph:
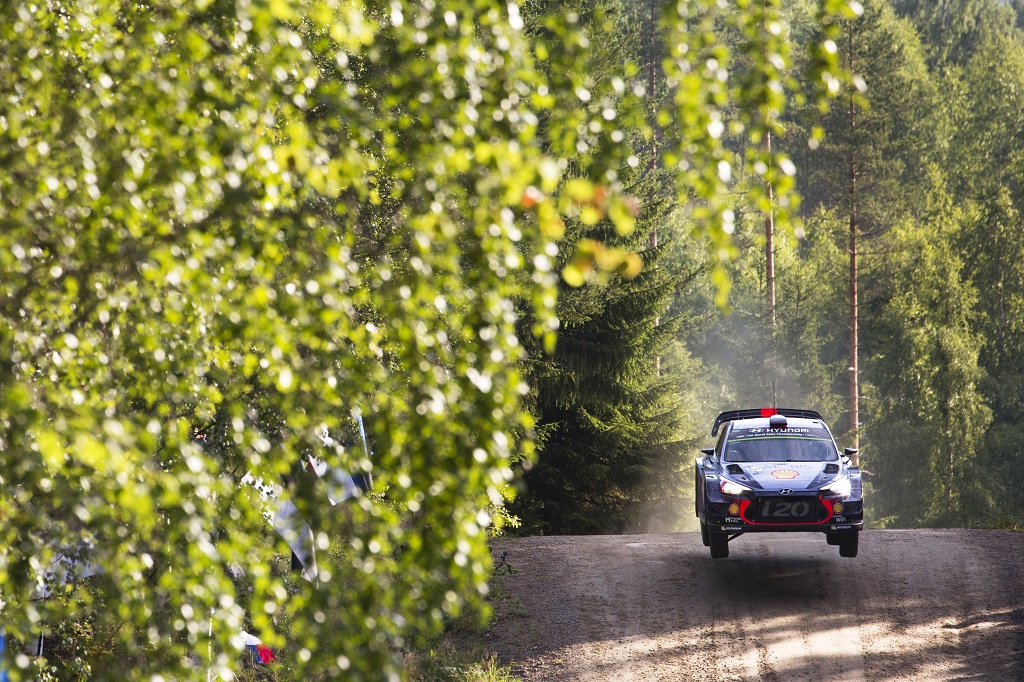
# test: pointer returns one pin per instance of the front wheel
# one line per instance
(704, 534)
(848, 544)
(832, 538)
(719, 543)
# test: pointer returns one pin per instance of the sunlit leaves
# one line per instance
(225, 226)
(733, 75)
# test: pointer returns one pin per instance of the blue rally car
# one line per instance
(775, 470)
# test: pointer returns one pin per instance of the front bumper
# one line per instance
(817, 514)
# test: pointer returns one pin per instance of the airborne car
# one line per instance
(775, 470)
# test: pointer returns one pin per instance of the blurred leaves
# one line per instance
(224, 226)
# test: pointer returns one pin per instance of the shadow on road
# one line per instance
(915, 605)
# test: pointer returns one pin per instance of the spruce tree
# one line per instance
(928, 415)
(989, 175)
(609, 401)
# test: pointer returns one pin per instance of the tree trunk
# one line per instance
(854, 368)
(653, 54)
(769, 243)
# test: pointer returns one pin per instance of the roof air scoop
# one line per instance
(777, 421)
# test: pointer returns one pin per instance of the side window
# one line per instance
(720, 445)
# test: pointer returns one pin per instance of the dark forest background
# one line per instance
(931, 132)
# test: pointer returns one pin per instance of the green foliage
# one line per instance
(608, 402)
(222, 215)
(713, 107)
(796, 362)
(952, 29)
(927, 409)
(611, 403)
(889, 128)
(929, 136)
(226, 227)
(990, 174)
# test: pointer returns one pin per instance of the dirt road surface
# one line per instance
(915, 605)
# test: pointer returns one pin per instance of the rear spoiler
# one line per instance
(762, 412)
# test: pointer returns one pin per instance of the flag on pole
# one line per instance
(260, 651)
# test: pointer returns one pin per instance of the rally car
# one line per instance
(774, 470)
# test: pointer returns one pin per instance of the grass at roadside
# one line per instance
(451, 662)
(460, 654)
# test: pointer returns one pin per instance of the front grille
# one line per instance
(802, 509)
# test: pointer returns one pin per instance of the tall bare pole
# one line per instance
(854, 367)
(769, 241)
(652, 76)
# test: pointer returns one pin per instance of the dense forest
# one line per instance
(304, 300)
(919, 161)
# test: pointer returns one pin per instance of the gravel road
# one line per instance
(915, 605)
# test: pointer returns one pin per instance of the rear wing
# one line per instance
(762, 412)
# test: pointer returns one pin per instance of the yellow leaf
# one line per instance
(92, 453)
(51, 450)
(632, 265)
(283, 11)
(621, 216)
(550, 338)
(551, 226)
(579, 190)
(589, 215)
(573, 275)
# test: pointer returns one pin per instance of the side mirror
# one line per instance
(710, 452)
(848, 453)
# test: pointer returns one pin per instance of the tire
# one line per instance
(704, 534)
(832, 538)
(719, 543)
(848, 544)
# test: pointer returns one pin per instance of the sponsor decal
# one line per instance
(756, 470)
(842, 527)
(727, 528)
(733, 519)
(785, 474)
(840, 519)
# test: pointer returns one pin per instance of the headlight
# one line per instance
(729, 488)
(840, 486)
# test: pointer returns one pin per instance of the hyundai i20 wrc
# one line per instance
(777, 470)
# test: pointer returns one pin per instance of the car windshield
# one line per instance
(780, 445)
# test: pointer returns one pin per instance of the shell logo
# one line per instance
(785, 474)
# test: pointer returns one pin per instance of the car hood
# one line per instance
(778, 475)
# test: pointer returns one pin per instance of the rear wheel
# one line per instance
(848, 544)
(719, 543)
(704, 534)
